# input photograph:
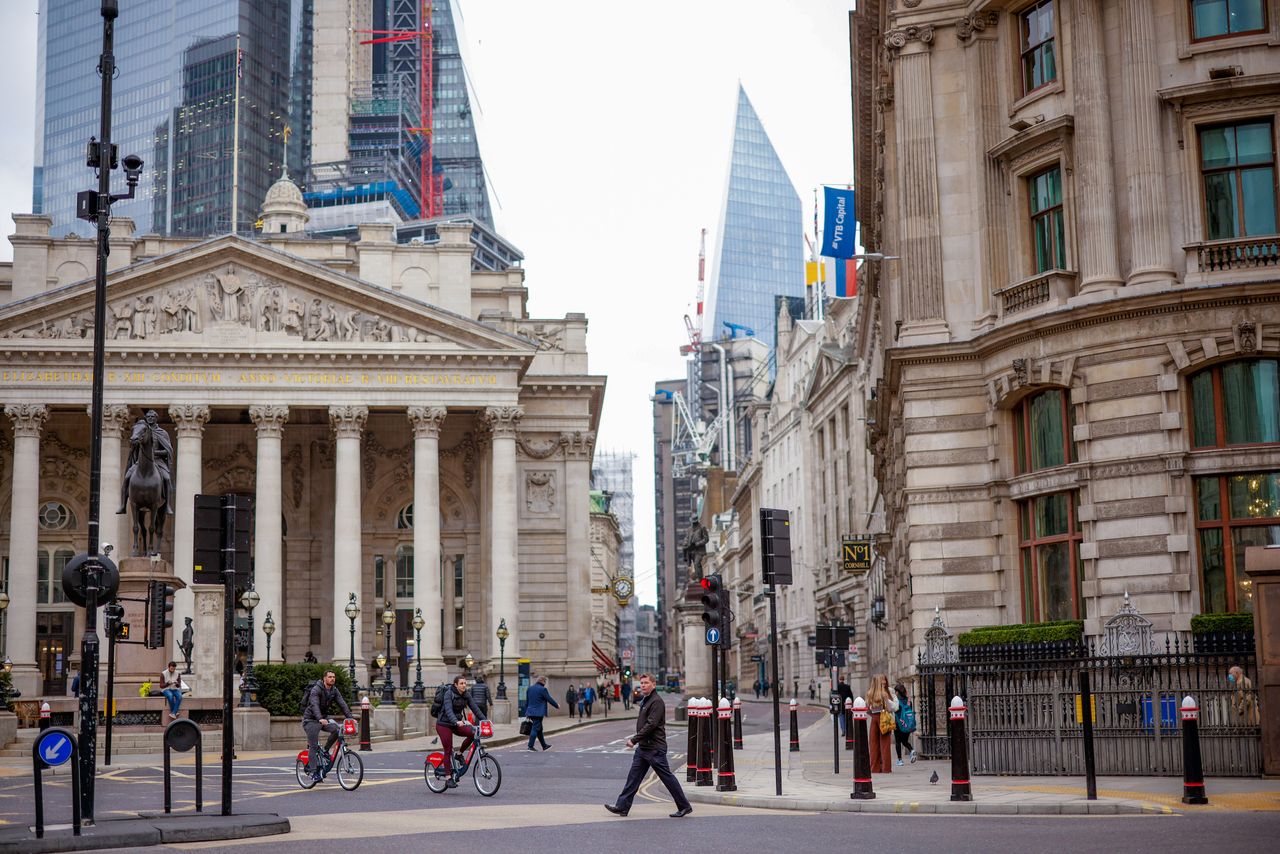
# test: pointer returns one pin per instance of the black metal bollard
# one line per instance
(182, 735)
(960, 790)
(46, 717)
(795, 729)
(848, 723)
(365, 742)
(1193, 791)
(862, 790)
(1086, 732)
(706, 741)
(725, 780)
(737, 724)
(691, 720)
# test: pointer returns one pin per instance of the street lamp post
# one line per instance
(4, 610)
(352, 611)
(388, 620)
(467, 663)
(419, 692)
(268, 629)
(249, 685)
(503, 634)
(379, 661)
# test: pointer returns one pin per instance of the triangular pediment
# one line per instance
(831, 362)
(232, 293)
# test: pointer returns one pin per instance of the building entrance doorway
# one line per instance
(53, 647)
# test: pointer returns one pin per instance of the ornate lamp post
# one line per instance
(388, 620)
(268, 629)
(4, 608)
(503, 634)
(419, 693)
(379, 661)
(352, 611)
(467, 663)
(249, 685)
(6, 691)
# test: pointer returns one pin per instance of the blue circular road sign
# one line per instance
(54, 748)
(713, 635)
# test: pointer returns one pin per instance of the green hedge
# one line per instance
(1203, 624)
(1059, 630)
(280, 686)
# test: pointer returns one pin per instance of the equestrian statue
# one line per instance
(148, 483)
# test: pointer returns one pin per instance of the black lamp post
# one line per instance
(503, 634)
(419, 692)
(4, 610)
(249, 685)
(388, 620)
(352, 611)
(268, 629)
(6, 687)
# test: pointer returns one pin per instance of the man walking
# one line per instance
(480, 693)
(535, 709)
(571, 699)
(650, 742)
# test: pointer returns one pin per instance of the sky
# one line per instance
(605, 129)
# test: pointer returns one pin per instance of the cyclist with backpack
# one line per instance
(449, 709)
(905, 724)
(317, 699)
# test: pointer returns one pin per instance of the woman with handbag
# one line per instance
(881, 706)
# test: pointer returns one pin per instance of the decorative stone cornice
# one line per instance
(539, 451)
(115, 417)
(896, 40)
(427, 420)
(188, 419)
(28, 418)
(271, 419)
(502, 420)
(974, 23)
(348, 421)
(579, 444)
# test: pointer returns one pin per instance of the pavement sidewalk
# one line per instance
(143, 831)
(808, 783)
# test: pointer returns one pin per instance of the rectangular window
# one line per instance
(314, 638)
(459, 630)
(1052, 573)
(1238, 168)
(1042, 431)
(1048, 238)
(1233, 513)
(458, 564)
(1039, 62)
(404, 572)
(1237, 403)
(1215, 19)
(379, 578)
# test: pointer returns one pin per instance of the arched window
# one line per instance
(1236, 403)
(1042, 431)
(404, 519)
(56, 516)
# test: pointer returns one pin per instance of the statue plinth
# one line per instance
(135, 663)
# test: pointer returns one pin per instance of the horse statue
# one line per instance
(148, 485)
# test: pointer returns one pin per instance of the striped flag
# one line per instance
(239, 63)
(844, 284)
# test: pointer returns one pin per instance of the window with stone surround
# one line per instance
(50, 563)
(1048, 233)
(1216, 19)
(379, 577)
(404, 572)
(1049, 557)
(1038, 46)
(1233, 512)
(1238, 173)
(1042, 431)
(1236, 403)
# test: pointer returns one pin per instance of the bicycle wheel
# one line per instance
(436, 782)
(350, 770)
(487, 775)
(304, 776)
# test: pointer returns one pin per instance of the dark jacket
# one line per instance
(535, 702)
(845, 692)
(480, 693)
(651, 723)
(571, 696)
(455, 705)
(319, 700)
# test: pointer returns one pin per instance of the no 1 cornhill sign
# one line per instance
(855, 554)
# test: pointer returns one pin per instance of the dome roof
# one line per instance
(284, 195)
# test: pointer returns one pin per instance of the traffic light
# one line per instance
(626, 673)
(715, 606)
(159, 611)
(113, 615)
(775, 545)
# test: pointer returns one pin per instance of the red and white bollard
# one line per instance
(737, 724)
(46, 716)
(706, 743)
(795, 729)
(725, 780)
(1193, 791)
(691, 758)
(960, 790)
(365, 742)
(862, 790)
(848, 723)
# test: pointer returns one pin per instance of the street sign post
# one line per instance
(54, 747)
(713, 636)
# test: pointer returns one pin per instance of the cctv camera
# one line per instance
(132, 163)
(107, 548)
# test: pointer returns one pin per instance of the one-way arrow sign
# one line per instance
(54, 749)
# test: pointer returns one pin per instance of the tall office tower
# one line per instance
(457, 150)
(174, 105)
(759, 251)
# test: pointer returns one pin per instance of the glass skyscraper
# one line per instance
(173, 105)
(758, 251)
(457, 150)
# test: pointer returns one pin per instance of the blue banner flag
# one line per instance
(838, 226)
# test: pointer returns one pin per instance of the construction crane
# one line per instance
(691, 438)
(695, 331)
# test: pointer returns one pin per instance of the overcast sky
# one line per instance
(605, 131)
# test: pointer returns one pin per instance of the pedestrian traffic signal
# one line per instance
(715, 606)
(159, 612)
(626, 673)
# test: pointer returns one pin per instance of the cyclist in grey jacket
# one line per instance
(322, 695)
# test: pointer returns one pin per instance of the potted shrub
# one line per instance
(1226, 633)
(1056, 639)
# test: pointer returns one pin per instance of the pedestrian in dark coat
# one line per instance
(650, 743)
(535, 709)
(480, 693)
(571, 699)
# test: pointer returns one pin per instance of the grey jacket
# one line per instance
(319, 700)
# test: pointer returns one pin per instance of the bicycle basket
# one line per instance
(486, 729)
(436, 759)
(348, 727)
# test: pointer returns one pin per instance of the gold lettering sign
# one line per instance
(855, 554)
(254, 378)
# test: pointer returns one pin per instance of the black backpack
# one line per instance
(437, 705)
(306, 697)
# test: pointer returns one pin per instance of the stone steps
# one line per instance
(123, 742)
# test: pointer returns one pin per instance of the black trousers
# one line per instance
(900, 740)
(641, 762)
(313, 730)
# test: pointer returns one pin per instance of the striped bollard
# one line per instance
(737, 724)
(46, 717)
(725, 780)
(848, 723)
(862, 790)
(960, 790)
(365, 742)
(691, 720)
(1193, 791)
(795, 729)
(706, 743)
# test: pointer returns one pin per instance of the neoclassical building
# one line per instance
(408, 433)
(1079, 395)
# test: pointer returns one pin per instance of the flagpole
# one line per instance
(235, 145)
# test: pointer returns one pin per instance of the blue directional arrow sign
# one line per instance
(54, 748)
(713, 636)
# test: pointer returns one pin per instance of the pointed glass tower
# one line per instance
(457, 151)
(758, 251)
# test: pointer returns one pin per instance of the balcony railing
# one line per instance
(1055, 286)
(1237, 254)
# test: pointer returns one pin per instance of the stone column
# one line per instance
(987, 126)
(504, 579)
(922, 307)
(348, 424)
(188, 478)
(1095, 208)
(427, 595)
(268, 530)
(20, 618)
(578, 448)
(1148, 230)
